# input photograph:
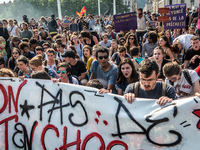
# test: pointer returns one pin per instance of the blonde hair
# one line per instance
(36, 61)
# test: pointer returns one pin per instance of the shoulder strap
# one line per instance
(95, 69)
(164, 89)
(70, 79)
(56, 61)
(136, 88)
(187, 76)
(45, 62)
(46, 70)
(113, 35)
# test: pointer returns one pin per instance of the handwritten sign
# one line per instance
(177, 16)
(163, 10)
(125, 22)
(163, 18)
(64, 25)
(38, 114)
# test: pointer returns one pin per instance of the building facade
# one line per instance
(131, 4)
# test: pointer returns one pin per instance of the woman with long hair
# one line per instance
(89, 39)
(12, 62)
(87, 53)
(130, 42)
(126, 75)
(169, 36)
(78, 46)
(165, 44)
(36, 65)
(158, 55)
(24, 69)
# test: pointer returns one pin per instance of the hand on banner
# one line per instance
(163, 100)
(55, 80)
(197, 94)
(130, 97)
(105, 91)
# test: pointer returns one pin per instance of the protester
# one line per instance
(126, 75)
(5, 72)
(185, 82)
(130, 42)
(148, 86)
(24, 69)
(13, 59)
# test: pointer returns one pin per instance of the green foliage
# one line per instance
(38, 8)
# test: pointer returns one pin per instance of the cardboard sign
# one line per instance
(64, 25)
(163, 10)
(42, 115)
(177, 16)
(125, 22)
(163, 18)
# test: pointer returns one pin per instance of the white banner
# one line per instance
(37, 114)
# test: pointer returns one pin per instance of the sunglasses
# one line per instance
(45, 47)
(131, 38)
(62, 72)
(122, 41)
(15, 53)
(105, 57)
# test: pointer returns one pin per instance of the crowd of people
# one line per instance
(148, 62)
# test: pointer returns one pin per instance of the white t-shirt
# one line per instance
(13, 32)
(182, 87)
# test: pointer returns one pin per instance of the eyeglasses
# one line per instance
(131, 38)
(62, 72)
(45, 47)
(15, 53)
(105, 57)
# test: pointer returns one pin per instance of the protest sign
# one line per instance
(177, 16)
(125, 22)
(163, 10)
(163, 18)
(153, 24)
(199, 16)
(65, 25)
(38, 114)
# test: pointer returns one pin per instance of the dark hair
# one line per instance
(15, 39)
(101, 49)
(171, 68)
(147, 66)
(40, 75)
(39, 48)
(75, 51)
(134, 51)
(65, 65)
(23, 59)
(153, 36)
(23, 45)
(127, 44)
(167, 41)
(85, 34)
(121, 49)
(46, 44)
(25, 40)
(134, 75)
(94, 83)
(2, 60)
(33, 41)
(140, 9)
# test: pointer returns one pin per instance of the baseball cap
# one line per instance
(69, 53)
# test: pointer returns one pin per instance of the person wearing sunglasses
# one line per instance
(185, 82)
(64, 73)
(122, 41)
(104, 71)
(13, 59)
(130, 42)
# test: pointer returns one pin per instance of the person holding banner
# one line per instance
(149, 86)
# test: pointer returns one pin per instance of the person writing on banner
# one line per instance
(185, 82)
(149, 86)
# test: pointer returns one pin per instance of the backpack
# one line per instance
(45, 62)
(137, 84)
(71, 81)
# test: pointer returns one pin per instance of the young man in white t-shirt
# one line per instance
(185, 82)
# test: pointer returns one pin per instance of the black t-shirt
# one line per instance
(189, 54)
(78, 68)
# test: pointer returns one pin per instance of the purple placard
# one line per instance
(125, 22)
(177, 16)
(199, 16)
